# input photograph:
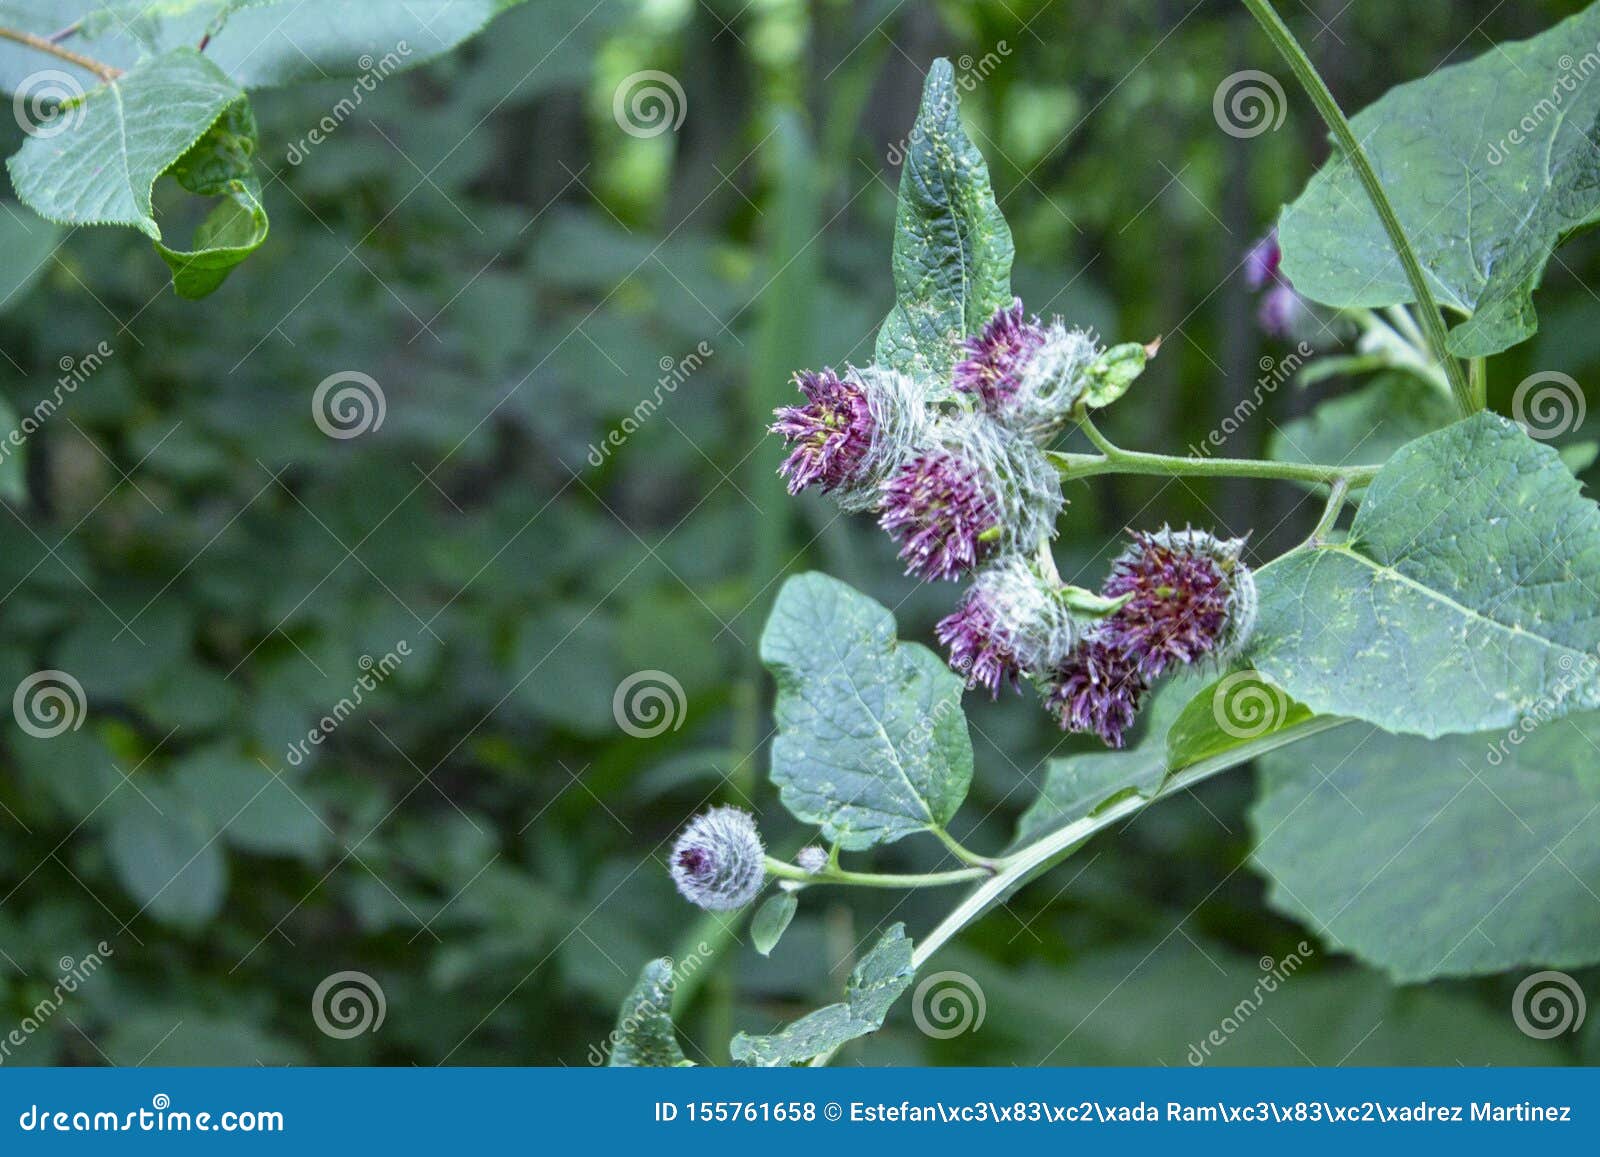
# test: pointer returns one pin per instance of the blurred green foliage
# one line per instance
(518, 274)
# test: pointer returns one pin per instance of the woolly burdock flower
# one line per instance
(719, 862)
(830, 435)
(852, 431)
(991, 367)
(1096, 688)
(1189, 594)
(975, 491)
(1012, 620)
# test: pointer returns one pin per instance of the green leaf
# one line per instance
(875, 984)
(952, 247)
(644, 1036)
(1233, 711)
(166, 859)
(1366, 426)
(265, 43)
(27, 243)
(1114, 371)
(175, 114)
(1451, 857)
(1490, 166)
(1463, 598)
(872, 743)
(771, 921)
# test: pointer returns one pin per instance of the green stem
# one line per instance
(1306, 72)
(1330, 513)
(1113, 459)
(1480, 381)
(961, 852)
(1048, 851)
(832, 875)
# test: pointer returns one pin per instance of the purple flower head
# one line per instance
(1262, 262)
(1098, 688)
(831, 434)
(992, 365)
(939, 508)
(1189, 596)
(719, 862)
(1281, 311)
(982, 645)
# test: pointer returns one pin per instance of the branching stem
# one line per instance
(1427, 307)
(104, 71)
(836, 875)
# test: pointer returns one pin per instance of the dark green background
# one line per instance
(512, 268)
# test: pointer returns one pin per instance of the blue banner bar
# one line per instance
(828, 1111)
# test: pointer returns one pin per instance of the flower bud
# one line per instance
(1011, 621)
(852, 431)
(1025, 373)
(1190, 596)
(1097, 688)
(976, 491)
(812, 859)
(719, 862)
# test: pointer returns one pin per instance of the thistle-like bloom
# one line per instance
(940, 509)
(1012, 621)
(1190, 596)
(1261, 263)
(991, 367)
(719, 862)
(831, 434)
(1096, 688)
(1281, 311)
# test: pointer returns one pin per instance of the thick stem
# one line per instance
(1048, 851)
(832, 875)
(1114, 459)
(104, 71)
(1306, 72)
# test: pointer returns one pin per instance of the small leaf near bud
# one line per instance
(1115, 370)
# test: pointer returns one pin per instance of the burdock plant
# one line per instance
(1459, 597)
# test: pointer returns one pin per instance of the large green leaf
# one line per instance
(1449, 857)
(1490, 165)
(875, 984)
(644, 1036)
(1465, 596)
(28, 244)
(166, 856)
(952, 247)
(872, 743)
(263, 43)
